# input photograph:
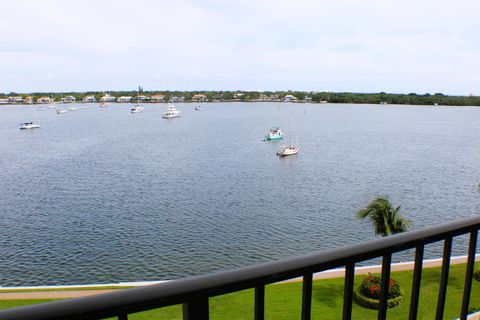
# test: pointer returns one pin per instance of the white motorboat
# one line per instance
(171, 112)
(60, 111)
(29, 125)
(103, 105)
(136, 108)
(198, 108)
(73, 109)
(287, 151)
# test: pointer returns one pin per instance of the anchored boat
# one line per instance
(136, 108)
(29, 125)
(287, 151)
(171, 112)
(274, 134)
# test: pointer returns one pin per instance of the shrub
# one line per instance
(476, 275)
(368, 293)
(371, 287)
(473, 309)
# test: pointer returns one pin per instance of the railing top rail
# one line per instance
(179, 291)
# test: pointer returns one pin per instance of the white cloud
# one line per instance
(344, 45)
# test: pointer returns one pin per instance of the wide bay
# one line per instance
(102, 195)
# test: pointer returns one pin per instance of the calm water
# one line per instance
(102, 195)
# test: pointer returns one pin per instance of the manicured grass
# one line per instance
(283, 301)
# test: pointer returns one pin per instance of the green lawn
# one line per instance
(283, 301)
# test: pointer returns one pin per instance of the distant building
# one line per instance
(44, 100)
(143, 98)
(157, 98)
(307, 99)
(88, 99)
(70, 99)
(290, 98)
(15, 99)
(4, 101)
(107, 98)
(177, 99)
(263, 97)
(28, 100)
(199, 97)
(238, 96)
(124, 99)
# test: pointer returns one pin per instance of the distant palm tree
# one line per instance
(386, 219)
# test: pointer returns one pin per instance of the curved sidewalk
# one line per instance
(329, 274)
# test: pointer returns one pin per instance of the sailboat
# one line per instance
(31, 124)
(289, 150)
(136, 108)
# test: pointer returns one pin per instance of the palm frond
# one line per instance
(386, 220)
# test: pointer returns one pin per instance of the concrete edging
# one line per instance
(328, 274)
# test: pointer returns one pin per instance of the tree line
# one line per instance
(246, 96)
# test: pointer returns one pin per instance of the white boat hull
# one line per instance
(287, 151)
(136, 109)
(170, 116)
(29, 126)
(171, 112)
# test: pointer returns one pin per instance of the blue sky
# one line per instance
(345, 45)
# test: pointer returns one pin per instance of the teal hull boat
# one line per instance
(274, 134)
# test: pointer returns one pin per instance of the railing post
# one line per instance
(386, 265)
(472, 249)
(196, 309)
(260, 302)
(348, 291)
(442, 292)
(417, 279)
(307, 296)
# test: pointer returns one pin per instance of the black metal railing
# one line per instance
(194, 293)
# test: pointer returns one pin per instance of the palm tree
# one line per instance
(386, 219)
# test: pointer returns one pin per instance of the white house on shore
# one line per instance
(177, 99)
(290, 98)
(88, 99)
(124, 99)
(44, 100)
(4, 101)
(69, 99)
(15, 99)
(107, 98)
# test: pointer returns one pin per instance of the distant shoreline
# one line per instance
(382, 98)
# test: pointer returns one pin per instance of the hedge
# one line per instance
(375, 303)
(476, 275)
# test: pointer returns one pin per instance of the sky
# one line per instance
(401, 46)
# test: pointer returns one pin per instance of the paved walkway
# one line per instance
(329, 274)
